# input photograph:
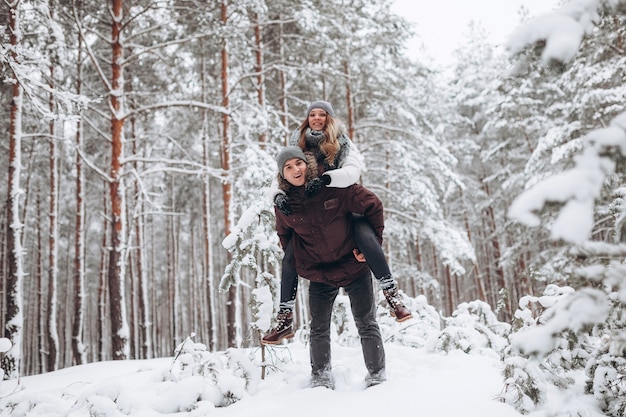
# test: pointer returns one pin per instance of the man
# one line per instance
(320, 231)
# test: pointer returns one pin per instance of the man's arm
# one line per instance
(282, 229)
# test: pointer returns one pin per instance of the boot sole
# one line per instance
(276, 342)
(404, 318)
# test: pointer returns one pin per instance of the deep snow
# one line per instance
(419, 383)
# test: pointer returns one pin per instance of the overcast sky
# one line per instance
(441, 24)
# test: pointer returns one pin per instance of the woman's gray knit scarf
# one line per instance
(313, 138)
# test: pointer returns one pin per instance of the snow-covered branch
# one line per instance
(576, 188)
(93, 167)
(142, 49)
(562, 30)
(178, 103)
(90, 52)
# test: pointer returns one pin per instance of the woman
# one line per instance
(339, 165)
(320, 233)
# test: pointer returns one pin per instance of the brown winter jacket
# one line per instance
(320, 229)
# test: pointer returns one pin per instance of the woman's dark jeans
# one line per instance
(362, 303)
(366, 241)
(288, 279)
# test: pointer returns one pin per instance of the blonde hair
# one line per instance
(329, 145)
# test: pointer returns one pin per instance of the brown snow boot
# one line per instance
(398, 309)
(283, 329)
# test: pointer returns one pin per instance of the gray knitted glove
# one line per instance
(280, 201)
(313, 186)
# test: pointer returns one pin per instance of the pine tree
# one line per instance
(593, 312)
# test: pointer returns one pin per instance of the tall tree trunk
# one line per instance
(231, 304)
(142, 295)
(259, 70)
(78, 348)
(480, 288)
(439, 297)
(283, 80)
(41, 323)
(495, 246)
(346, 72)
(53, 335)
(208, 276)
(173, 233)
(143, 311)
(449, 286)
(171, 280)
(117, 304)
(102, 292)
(14, 321)
(420, 267)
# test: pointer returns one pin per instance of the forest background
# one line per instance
(142, 134)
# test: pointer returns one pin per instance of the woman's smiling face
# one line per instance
(317, 119)
(294, 171)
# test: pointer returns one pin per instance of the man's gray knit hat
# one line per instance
(288, 152)
(324, 105)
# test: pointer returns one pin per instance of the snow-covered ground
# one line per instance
(419, 383)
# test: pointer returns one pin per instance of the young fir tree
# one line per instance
(592, 315)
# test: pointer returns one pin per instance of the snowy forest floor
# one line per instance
(419, 384)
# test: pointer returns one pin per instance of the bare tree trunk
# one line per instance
(346, 70)
(259, 70)
(78, 348)
(231, 304)
(154, 301)
(283, 81)
(53, 335)
(194, 279)
(41, 324)
(144, 310)
(132, 313)
(102, 293)
(435, 271)
(420, 266)
(449, 291)
(490, 292)
(175, 312)
(145, 351)
(13, 321)
(479, 284)
(171, 285)
(495, 246)
(119, 326)
(208, 276)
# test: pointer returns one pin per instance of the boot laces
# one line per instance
(393, 298)
(281, 319)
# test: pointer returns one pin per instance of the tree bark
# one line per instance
(346, 71)
(53, 336)
(13, 320)
(258, 38)
(78, 348)
(102, 292)
(41, 324)
(208, 275)
(283, 81)
(119, 327)
(231, 304)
